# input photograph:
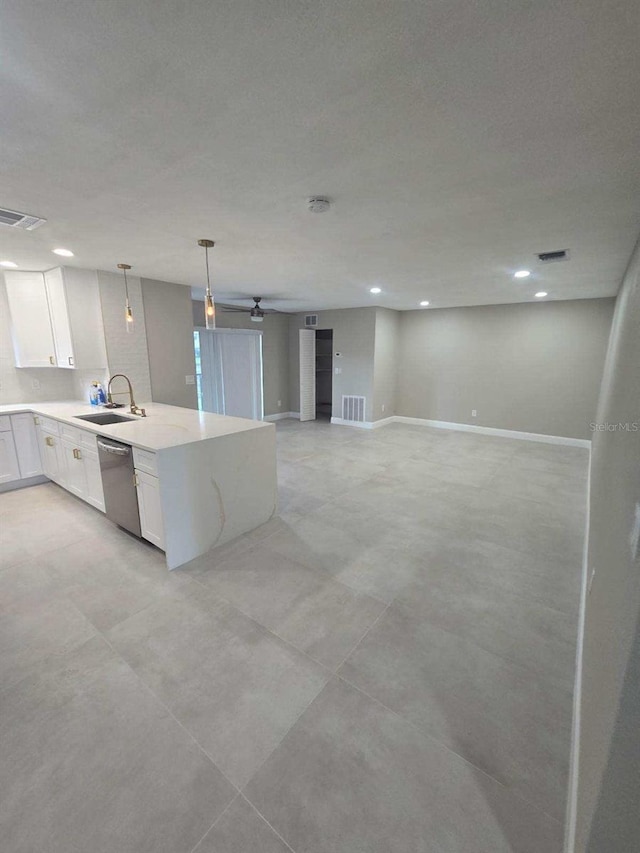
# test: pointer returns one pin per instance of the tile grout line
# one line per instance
(423, 733)
(224, 811)
(258, 812)
(169, 711)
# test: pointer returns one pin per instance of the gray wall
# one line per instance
(275, 350)
(353, 338)
(169, 326)
(534, 367)
(385, 363)
(609, 783)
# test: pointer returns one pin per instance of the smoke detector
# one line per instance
(318, 204)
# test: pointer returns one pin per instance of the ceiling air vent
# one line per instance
(20, 220)
(311, 321)
(550, 257)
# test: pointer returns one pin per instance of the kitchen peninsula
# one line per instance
(202, 479)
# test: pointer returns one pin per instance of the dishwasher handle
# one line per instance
(116, 448)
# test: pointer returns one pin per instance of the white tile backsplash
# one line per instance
(126, 353)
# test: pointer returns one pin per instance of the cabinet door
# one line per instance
(9, 469)
(75, 479)
(30, 322)
(94, 494)
(26, 441)
(54, 284)
(150, 508)
(49, 455)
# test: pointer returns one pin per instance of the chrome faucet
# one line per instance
(135, 410)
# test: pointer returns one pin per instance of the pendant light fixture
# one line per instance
(209, 304)
(128, 313)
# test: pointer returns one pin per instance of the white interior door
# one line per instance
(231, 379)
(307, 374)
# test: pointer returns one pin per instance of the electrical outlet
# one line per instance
(190, 380)
(383, 407)
(279, 404)
(474, 413)
(338, 370)
(35, 384)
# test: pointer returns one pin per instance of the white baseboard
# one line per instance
(359, 424)
(574, 761)
(281, 416)
(503, 433)
(383, 422)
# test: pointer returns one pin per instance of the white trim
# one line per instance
(361, 424)
(280, 416)
(574, 762)
(503, 433)
(383, 422)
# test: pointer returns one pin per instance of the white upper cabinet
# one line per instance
(60, 325)
(56, 318)
(30, 321)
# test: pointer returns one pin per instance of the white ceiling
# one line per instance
(456, 140)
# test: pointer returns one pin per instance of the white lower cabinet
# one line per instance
(25, 437)
(9, 468)
(51, 456)
(94, 494)
(150, 508)
(76, 477)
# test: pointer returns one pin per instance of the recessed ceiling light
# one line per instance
(375, 290)
(541, 293)
(424, 303)
(522, 274)
(8, 264)
(64, 252)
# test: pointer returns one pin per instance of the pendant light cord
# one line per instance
(126, 286)
(206, 259)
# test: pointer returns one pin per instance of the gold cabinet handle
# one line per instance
(36, 420)
(136, 482)
(76, 453)
(49, 441)
(52, 359)
(71, 360)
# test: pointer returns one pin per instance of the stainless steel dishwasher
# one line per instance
(118, 482)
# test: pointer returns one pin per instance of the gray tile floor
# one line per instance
(387, 667)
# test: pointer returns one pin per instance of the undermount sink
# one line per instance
(104, 418)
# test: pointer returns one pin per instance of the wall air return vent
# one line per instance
(551, 257)
(353, 408)
(310, 321)
(20, 220)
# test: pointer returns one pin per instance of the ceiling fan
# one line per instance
(257, 313)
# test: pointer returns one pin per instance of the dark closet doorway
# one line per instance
(324, 373)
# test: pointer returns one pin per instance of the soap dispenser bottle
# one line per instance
(94, 394)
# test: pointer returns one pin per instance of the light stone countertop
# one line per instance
(165, 426)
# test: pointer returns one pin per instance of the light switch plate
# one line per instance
(338, 370)
(190, 380)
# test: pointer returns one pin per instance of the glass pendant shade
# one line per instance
(128, 318)
(128, 313)
(209, 304)
(209, 311)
